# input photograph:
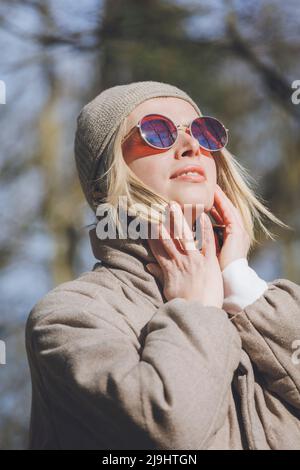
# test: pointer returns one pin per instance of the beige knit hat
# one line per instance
(98, 121)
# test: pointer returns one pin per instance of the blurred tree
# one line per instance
(235, 58)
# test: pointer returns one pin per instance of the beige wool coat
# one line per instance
(114, 365)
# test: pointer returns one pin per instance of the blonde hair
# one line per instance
(232, 177)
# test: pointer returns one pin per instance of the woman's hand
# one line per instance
(236, 239)
(182, 269)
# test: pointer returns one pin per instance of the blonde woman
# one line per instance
(166, 343)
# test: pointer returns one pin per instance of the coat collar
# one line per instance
(127, 259)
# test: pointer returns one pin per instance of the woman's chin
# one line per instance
(194, 198)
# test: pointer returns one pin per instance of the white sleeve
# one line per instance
(242, 286)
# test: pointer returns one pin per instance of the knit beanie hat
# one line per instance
(99, 120)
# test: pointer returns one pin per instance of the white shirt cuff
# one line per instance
(242, 286)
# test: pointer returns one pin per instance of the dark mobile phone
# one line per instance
(219, 233)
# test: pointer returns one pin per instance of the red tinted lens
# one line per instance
(210, 133)
(158, 130)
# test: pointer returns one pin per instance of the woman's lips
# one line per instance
(189, 170)
(190, 178)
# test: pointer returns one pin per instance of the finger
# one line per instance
(218, 248)
(167, 241)
(182, 230)
(156, 270)
(208, 237)
(169, 223)
(224, 206)
(163, 247)
(216, 215)
(226, 201)
(158, 251)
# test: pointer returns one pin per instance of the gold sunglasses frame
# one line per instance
(178, 127)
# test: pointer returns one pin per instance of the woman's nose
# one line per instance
(187, 145)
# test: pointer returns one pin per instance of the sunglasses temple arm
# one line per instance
(128, 134)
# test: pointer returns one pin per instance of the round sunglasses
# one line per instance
(160, 132)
